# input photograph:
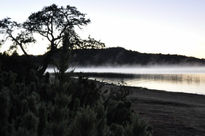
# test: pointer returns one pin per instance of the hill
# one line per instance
(120, 56)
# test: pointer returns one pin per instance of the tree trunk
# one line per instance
(45, 63)
(47, 60)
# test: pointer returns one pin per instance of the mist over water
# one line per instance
(168, 78)
(144, 70)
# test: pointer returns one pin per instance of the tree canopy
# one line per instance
(56, 24)
(16, 33)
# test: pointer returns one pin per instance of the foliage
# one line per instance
(56, 24)
(78, 107)
(16, 33)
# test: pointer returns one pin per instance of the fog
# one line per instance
(143, 69)
(185, 79)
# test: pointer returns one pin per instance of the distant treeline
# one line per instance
(19, 64)
(120, 56)
(102, 57)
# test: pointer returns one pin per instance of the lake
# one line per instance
(168, 78)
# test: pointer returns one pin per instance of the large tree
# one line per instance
(52, 22)
(56, 24)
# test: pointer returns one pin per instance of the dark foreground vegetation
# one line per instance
(33, 105)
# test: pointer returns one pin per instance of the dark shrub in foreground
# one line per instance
(72, 107)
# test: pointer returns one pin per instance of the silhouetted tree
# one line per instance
(16, 33)
(56, 24)
(52, 22)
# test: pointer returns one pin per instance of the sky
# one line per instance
(149, 26)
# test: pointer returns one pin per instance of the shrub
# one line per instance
(73, 107)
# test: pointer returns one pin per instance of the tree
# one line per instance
(56, 24)
(52, 22)
(16, 33)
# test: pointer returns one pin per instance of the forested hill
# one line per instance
(120, 56)
(104, 57)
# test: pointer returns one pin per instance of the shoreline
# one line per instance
(182, 83)
(169, 113)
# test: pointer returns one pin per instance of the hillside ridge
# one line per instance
(120, 56)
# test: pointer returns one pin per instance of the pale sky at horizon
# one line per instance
(150, 26)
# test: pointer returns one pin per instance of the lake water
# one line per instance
(172, 78)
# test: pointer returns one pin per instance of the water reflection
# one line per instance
(177, 79)
(188, 83)
(174, 78)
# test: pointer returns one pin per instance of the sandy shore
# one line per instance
(170, 114)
